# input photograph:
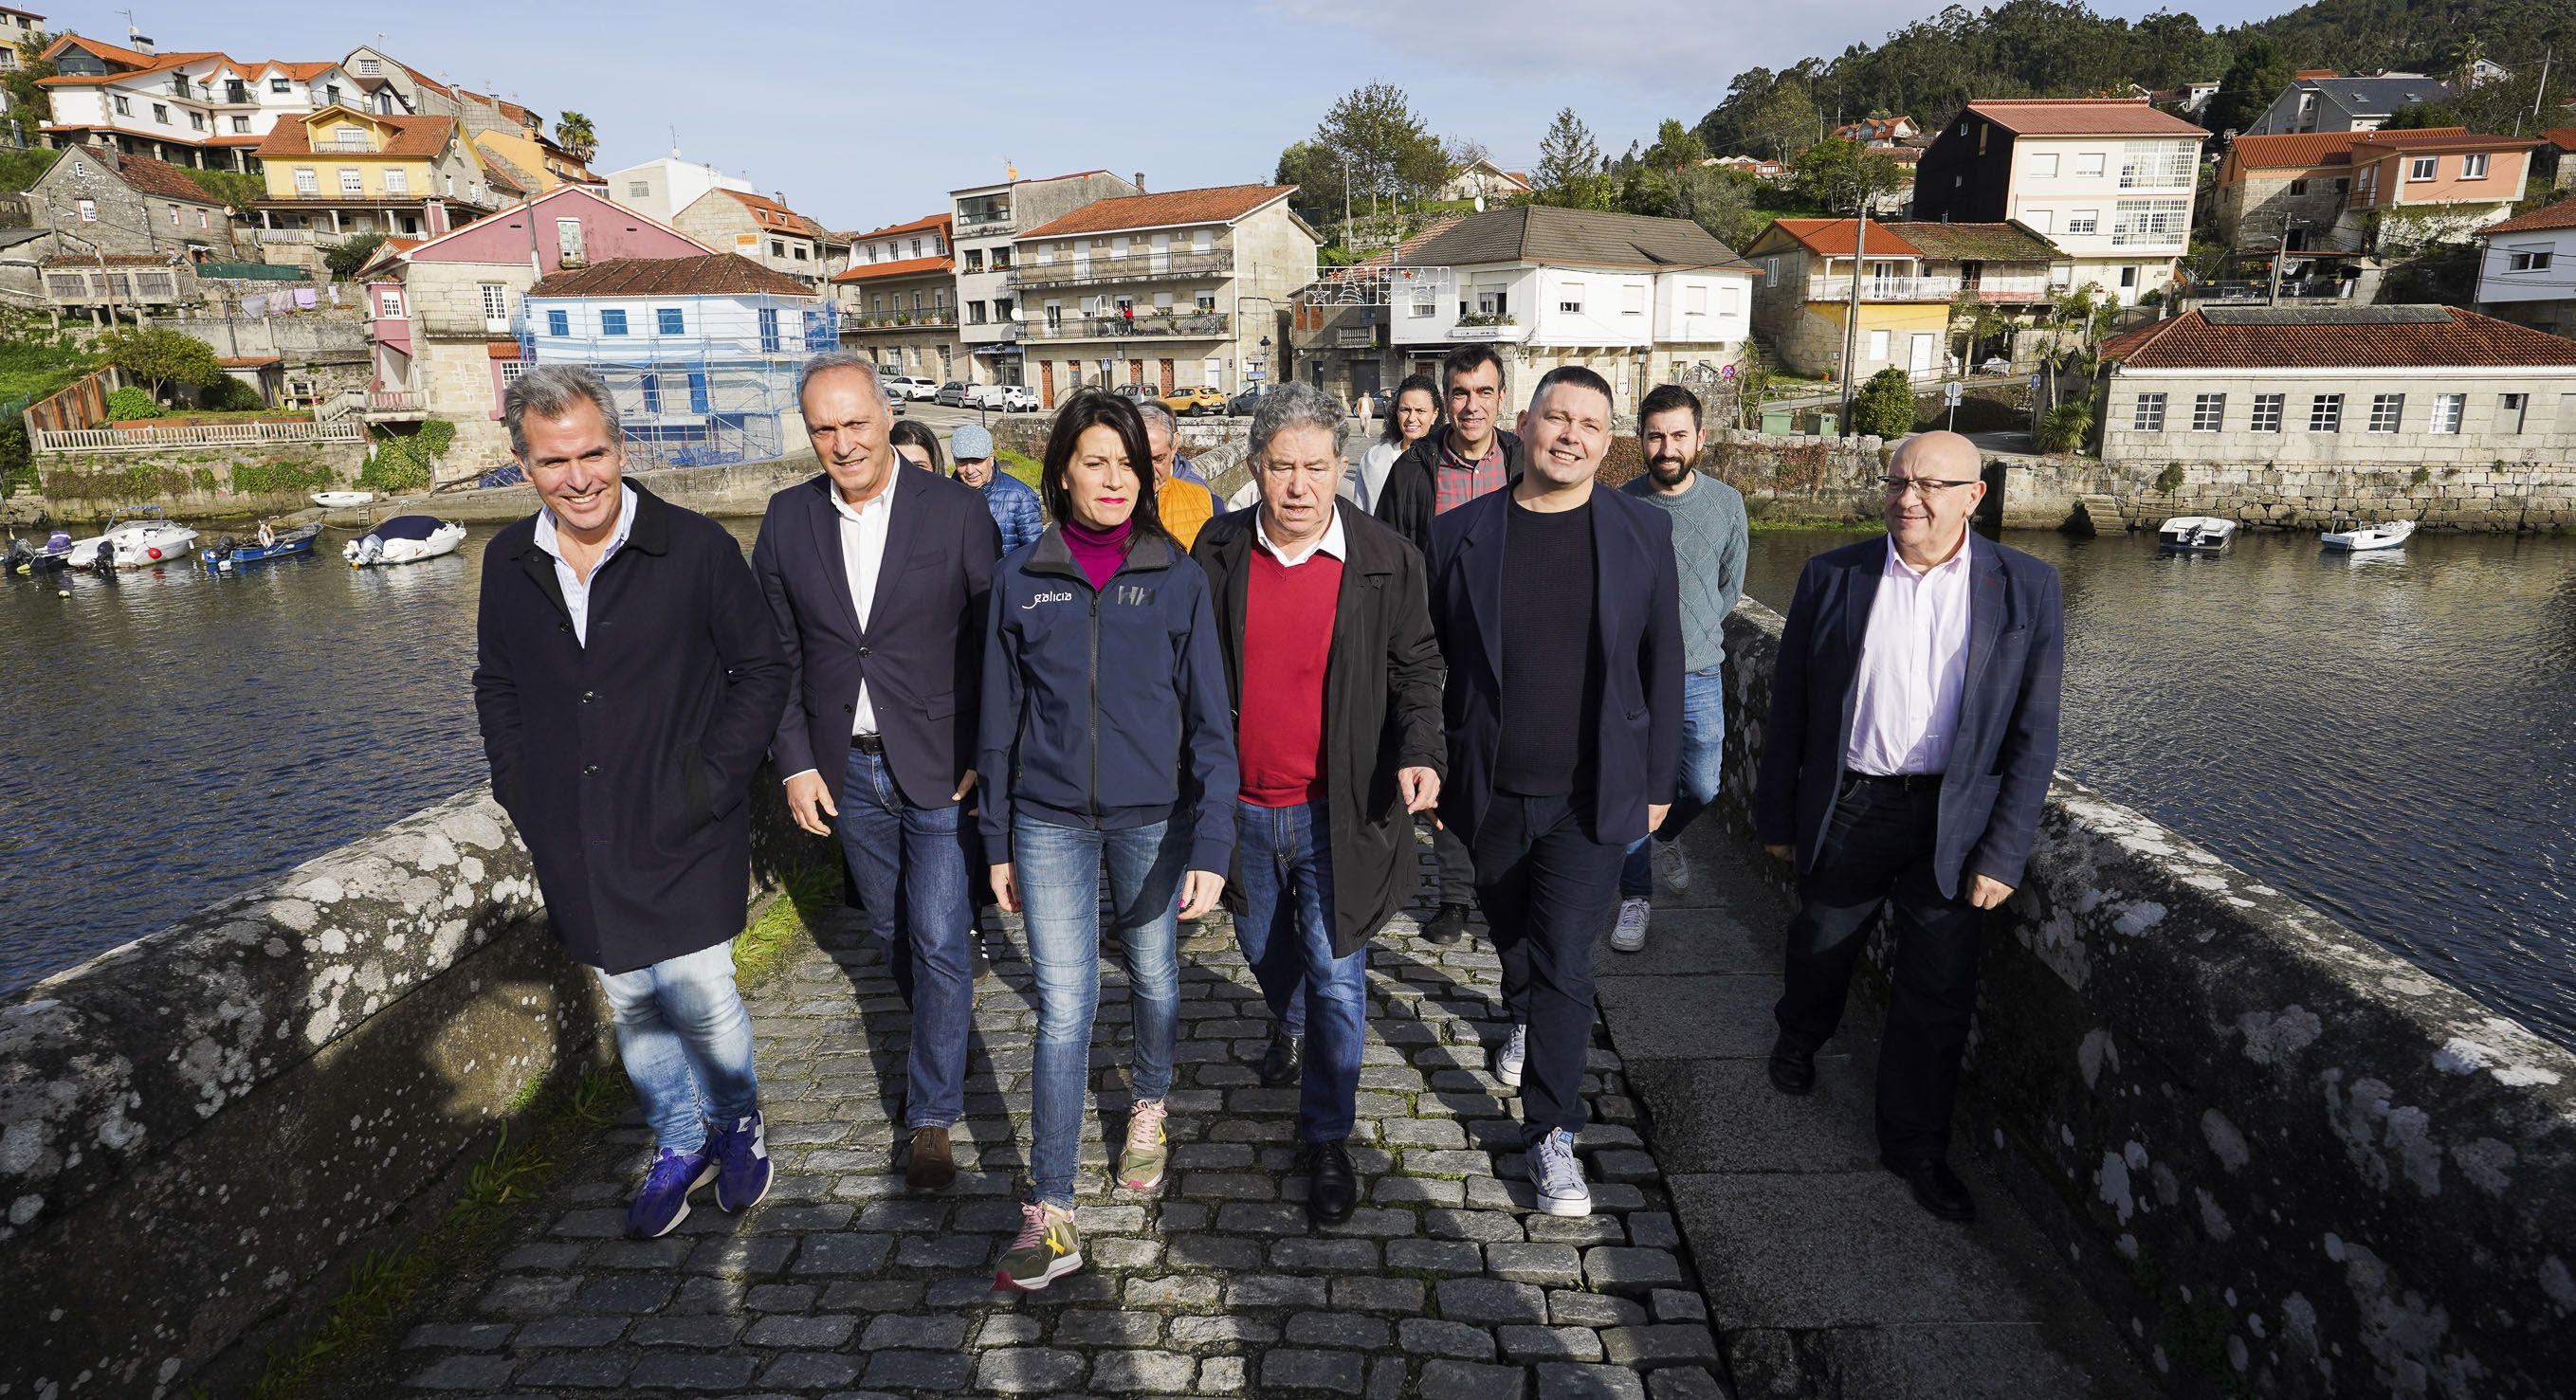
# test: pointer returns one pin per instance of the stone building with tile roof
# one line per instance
(1910, 272)
(2348, 191)
(766, 231)
(99, 196)
(898, 298)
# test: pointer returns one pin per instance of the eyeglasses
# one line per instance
(1927, 487)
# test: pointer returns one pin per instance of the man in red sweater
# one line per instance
(1324, 618)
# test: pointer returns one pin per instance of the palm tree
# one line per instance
(573, 132)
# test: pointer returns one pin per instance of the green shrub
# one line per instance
(232, 396)
(132, 401)
(406, 463)
(2066, 427)
(1884, 407)
(263, 478)
(2170, 479)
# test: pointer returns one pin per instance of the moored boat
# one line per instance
(2195, 534)
(134, 544)
(268, 544)
(404, 539)
(340, 500)
(2389, 535)
(54, 553)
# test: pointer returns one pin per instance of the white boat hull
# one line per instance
(2390, 536)
(2196, 534)
(139, 545)
(443, 540)
(341, 500)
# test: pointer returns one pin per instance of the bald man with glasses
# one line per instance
(1913, 733)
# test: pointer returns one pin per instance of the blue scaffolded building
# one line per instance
(701, 353)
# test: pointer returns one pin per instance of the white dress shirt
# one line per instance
(1913, 665)
(863, 544)
(576, 589)
(1329, 543)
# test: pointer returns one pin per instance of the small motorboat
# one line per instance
(2392, 535)
(341, 500)
(134, 544)
(404, 539)
(2196, 534)
(269, 543)
(54, 553)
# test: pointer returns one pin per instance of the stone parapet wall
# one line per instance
(196, 484)
(2044, 493)
(2284, 1161)
(201, 1130)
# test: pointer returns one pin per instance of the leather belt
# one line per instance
(872, 745)
(1902, 782)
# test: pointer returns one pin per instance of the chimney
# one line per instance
(1140, 182)
(140, 43)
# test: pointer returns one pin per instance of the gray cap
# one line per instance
(970, 443)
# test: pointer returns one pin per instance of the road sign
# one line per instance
(1950, 392)
(1727, 373)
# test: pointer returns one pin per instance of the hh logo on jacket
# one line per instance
(1128, 595)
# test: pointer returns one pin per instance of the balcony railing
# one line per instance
(395, 403)
(903, 320)
(1935, 288)
(982, 228)
(1187, 323)
(1135, 267)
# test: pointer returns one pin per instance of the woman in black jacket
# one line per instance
(1106, 733)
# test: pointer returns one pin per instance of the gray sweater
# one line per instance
(1708, 551)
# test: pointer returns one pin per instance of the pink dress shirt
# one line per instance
(1913, 664)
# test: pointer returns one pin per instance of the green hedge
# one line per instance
(131, 402)
(261, 478)
(404, 463)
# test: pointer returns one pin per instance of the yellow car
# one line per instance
(1194, 399)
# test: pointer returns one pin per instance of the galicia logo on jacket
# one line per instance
(1046, 598)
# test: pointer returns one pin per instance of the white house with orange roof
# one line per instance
(897, 298)
(201, 109)
(763, 229)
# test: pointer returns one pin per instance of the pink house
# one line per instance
(443, 310)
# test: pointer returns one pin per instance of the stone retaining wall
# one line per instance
(197, 484)
(2284, 1161)
(2044, 493)
(201, 1130)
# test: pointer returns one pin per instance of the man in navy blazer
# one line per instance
(878, 581)
(1913, 734)
(1558, 609)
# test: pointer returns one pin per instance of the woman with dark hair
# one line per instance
(1412, 414)
(1107, 732)
(917, 445)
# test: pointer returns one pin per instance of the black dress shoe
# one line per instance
(1281, 1062)
(1793, 1066)
(1936, 1188)
(1333, 1185)
(1447, 926)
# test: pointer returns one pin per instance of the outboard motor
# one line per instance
(21, 554)
(371, 549)
(103, 562)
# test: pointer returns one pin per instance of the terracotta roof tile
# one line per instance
(2310, 150)
(2082, 116)
(413, 137)
(153, 177)
(2548, 216)
(901, 267)
(716, 274)
(772, 215)
(941, 222)
(1217, 204)
(2360, 337)
(1833, 238)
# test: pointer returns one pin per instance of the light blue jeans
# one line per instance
(1703, 764)
(685, 1039)
(1058, 872)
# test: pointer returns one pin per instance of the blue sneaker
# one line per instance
(663, 1202)
(742, 1157)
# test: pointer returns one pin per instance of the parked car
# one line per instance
(1137, 392)
(1241, 404)
(1006, 398)
(909, 386)
(956, 393)
(1194, 399)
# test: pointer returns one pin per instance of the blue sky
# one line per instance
(865, 115)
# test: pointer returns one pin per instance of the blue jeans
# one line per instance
(1286, 855)
(910, 865)
(1058, 872)
(685, 1040)
(1703, 764)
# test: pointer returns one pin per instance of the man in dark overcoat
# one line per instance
(628, 683)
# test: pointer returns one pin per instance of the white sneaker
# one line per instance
(1507, 1061)
(1671, 866)
(1629, 934)
(1557, 1177)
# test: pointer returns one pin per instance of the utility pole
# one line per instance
(1851, 315)
(2273, 297)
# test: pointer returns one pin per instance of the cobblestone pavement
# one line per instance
(1445, 1284)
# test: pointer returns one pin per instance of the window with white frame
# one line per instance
(390, 304)
(1770, 272)
(2043, 164)
(2149, 414)
(2473, 166)
(2510, 410)
(397, 181)
(1877, 345)
(350, 138)
(2157, 165)
(2534, 259)
(241, 126)
(2149, 221)
(2447, 412)
(2422, 167)
(88, 210)
(2386, 411)
(1424, 304)
(161, 113)
(2083, 221)
(1632, 300)
(352, 181)
(639, 189)
(306, 182)
(1206, 301)
(2089, 164)
(123, 107)
(2208, 412)
(511, 370)
(2325, 413)
(370, 67)
(496, 301)
(196, 121)
(174, 216)
(281, 85)
(2267, 413)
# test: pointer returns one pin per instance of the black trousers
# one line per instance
(1457, 868)
(1877, 853)
(1546, 888)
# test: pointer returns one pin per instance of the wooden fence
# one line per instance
(76, 405)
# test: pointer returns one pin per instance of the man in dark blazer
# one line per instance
(878, 580)
(1323, 617)
(1913, 733)
(627, 683)
(1558, 608)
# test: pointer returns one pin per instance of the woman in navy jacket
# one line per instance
(1106, 732)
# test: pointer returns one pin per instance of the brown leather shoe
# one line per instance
(933, 1166)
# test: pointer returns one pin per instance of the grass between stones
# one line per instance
(547, 1120)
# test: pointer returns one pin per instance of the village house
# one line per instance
(2354, 191)
(2527, 270)
(764, 230)
(984, 219)
(2108, 181)
(443, 313)
(895, 298)
(663, 186)
(2406, 386)
(341, 171)
(201, 109)
(100, 197)
(2319, 99)
(1482, 179)
(1339, 336)
(1162, 290)
(1640, 300)
(1910, 274)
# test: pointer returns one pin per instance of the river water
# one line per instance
(2392, 738)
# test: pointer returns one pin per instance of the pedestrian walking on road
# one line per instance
(627, 682)
(1106, 736)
